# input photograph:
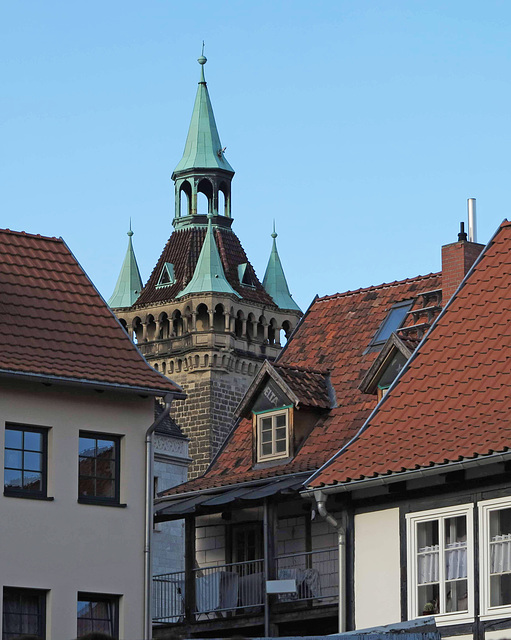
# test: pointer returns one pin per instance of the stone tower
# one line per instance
(203, 318)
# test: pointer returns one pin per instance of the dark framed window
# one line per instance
(97, 613)
(99, 468)
(394, 321)
(23, 612)
(25, 461)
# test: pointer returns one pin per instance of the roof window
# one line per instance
(394, 320)
(245, 275)
(167, 275)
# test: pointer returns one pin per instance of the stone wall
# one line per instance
(206, 416)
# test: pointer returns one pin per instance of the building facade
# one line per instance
(76, 414)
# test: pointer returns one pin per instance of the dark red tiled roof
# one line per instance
(334, 335)
(55, 324)
(183, 249)
(311, 387)
(453, 402)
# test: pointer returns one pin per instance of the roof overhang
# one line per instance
(216, 499)
(409, 474)
(178, 394)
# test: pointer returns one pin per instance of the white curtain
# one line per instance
(500, 553)
(455, 562)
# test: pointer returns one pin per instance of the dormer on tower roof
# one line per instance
(129, 283)
(209, 276)
(203, 169)
(275, 282)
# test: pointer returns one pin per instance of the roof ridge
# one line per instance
(31, 235)
(383, 285)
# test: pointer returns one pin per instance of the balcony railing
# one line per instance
(239, 587)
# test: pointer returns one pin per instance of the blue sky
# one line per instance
(362, 127)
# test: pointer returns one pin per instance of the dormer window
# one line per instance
(394, 320)
(167, 275)
(272, 435)
(245, 275)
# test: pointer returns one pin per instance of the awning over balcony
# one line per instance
(176, 506)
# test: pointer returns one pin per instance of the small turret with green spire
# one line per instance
(129, 283)
(275, 281)
(203, 169)
(209, 276)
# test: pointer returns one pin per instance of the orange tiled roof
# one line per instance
(453, 401)
(183, 249)
(310, 386)
(334, 334)
(56, 325)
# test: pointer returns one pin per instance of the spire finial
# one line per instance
(274, 234)
(202, 61)
(130, 232)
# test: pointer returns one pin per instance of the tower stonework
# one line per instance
(203, 318)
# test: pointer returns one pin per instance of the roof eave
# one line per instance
(95, 384)
(409, 474)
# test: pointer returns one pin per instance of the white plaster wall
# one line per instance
(65, 547)
(377, 568)
(501, 634)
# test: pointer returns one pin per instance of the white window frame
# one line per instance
(412, 522)
(485, 509)
(273, 415)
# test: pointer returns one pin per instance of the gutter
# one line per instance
(321, 499)
(410, 474)
(149, 497)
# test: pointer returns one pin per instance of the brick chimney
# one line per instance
(457, 258)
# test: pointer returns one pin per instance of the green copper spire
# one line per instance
(209, 276)
(129, 283)
(203, 149)
(275, 281)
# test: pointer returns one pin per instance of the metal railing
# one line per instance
(316, 574)
(240, 587)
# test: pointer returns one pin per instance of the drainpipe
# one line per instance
(149, 499)
(341, 538)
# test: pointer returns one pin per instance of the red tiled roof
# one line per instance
(334, 334)
(56, 325)
(453, 401)
(310, 386)
(183, 249)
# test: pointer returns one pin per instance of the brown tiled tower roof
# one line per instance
(183, 249)
(56, 326)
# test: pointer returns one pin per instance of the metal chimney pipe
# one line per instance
(472, 230)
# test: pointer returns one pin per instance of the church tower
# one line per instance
(203, 318)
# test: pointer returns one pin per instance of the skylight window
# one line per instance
(245, 275)
(394, 320)
(167, 275)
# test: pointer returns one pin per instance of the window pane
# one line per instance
(32, 461)
(280, 446)
(392, 322)
(266, 436)
(32, 481)
(13, 438)
(106, 449)
(455, 548)
(86, 486)
(12, 479)
(33, 441)
(281, 434)
(500, 590)
(105, 468)
(266, 449)
(266, 424)
(281, 420)
(500, 557)
(456, 594)
(105, 488)
(428, 597)
(13, 459)
(87, 447)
